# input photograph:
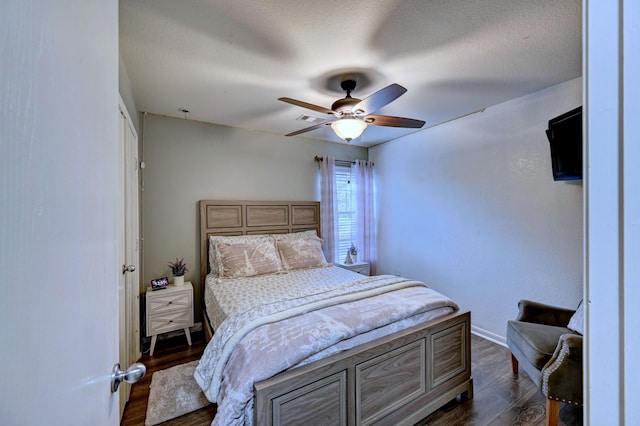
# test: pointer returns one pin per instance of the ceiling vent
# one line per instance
(310, 119)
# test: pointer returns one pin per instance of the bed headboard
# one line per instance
(220, 217)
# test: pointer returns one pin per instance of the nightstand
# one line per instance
(168, 310)
(359, 267)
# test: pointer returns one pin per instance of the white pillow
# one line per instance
(576, 323)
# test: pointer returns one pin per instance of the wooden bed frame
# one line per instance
(397, 379)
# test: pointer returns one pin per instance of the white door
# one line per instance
(59, 199)
(128, 289)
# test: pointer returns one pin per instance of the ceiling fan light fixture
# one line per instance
(352, 115)
(348, 128)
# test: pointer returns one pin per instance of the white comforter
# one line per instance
(256, 340)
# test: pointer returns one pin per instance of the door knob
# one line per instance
(135, 372)
(129, 268)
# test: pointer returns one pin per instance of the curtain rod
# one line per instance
(343, 163)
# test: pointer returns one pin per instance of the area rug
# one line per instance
(173, 392)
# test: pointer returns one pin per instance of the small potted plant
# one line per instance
(353, 251)
(178, 268)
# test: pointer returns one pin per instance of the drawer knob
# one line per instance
(170, 303)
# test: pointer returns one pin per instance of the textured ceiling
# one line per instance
(228, 62)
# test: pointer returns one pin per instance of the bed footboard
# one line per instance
(398, 379)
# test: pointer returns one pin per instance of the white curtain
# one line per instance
(328, 207)
(362, 181)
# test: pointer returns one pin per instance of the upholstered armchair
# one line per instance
(549, 352)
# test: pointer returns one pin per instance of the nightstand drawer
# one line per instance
(162, 323)
(162, 303)
(359, 267)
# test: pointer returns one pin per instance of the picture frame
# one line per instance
(159, 283)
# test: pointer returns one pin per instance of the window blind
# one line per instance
(346, 215)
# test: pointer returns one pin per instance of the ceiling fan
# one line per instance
(350, 116)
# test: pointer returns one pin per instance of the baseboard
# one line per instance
(495, 338)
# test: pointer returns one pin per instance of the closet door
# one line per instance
(129, 286)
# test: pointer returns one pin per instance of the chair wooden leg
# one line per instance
(553, 412)
(514, 364)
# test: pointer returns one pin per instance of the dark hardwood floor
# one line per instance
(167, 353)
(500, 398)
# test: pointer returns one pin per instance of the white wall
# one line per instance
(470, 207)
(187, 161)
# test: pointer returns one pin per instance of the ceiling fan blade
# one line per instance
(379, 99)
(308, 129)
(390, 121)
(307, 105)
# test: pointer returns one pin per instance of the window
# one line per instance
(346, 213)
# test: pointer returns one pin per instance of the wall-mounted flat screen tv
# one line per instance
(565, 140)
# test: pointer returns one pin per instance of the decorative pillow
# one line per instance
(236, 260)
(296, 235)
(576, 323)
(213, 239)
(301, 253)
